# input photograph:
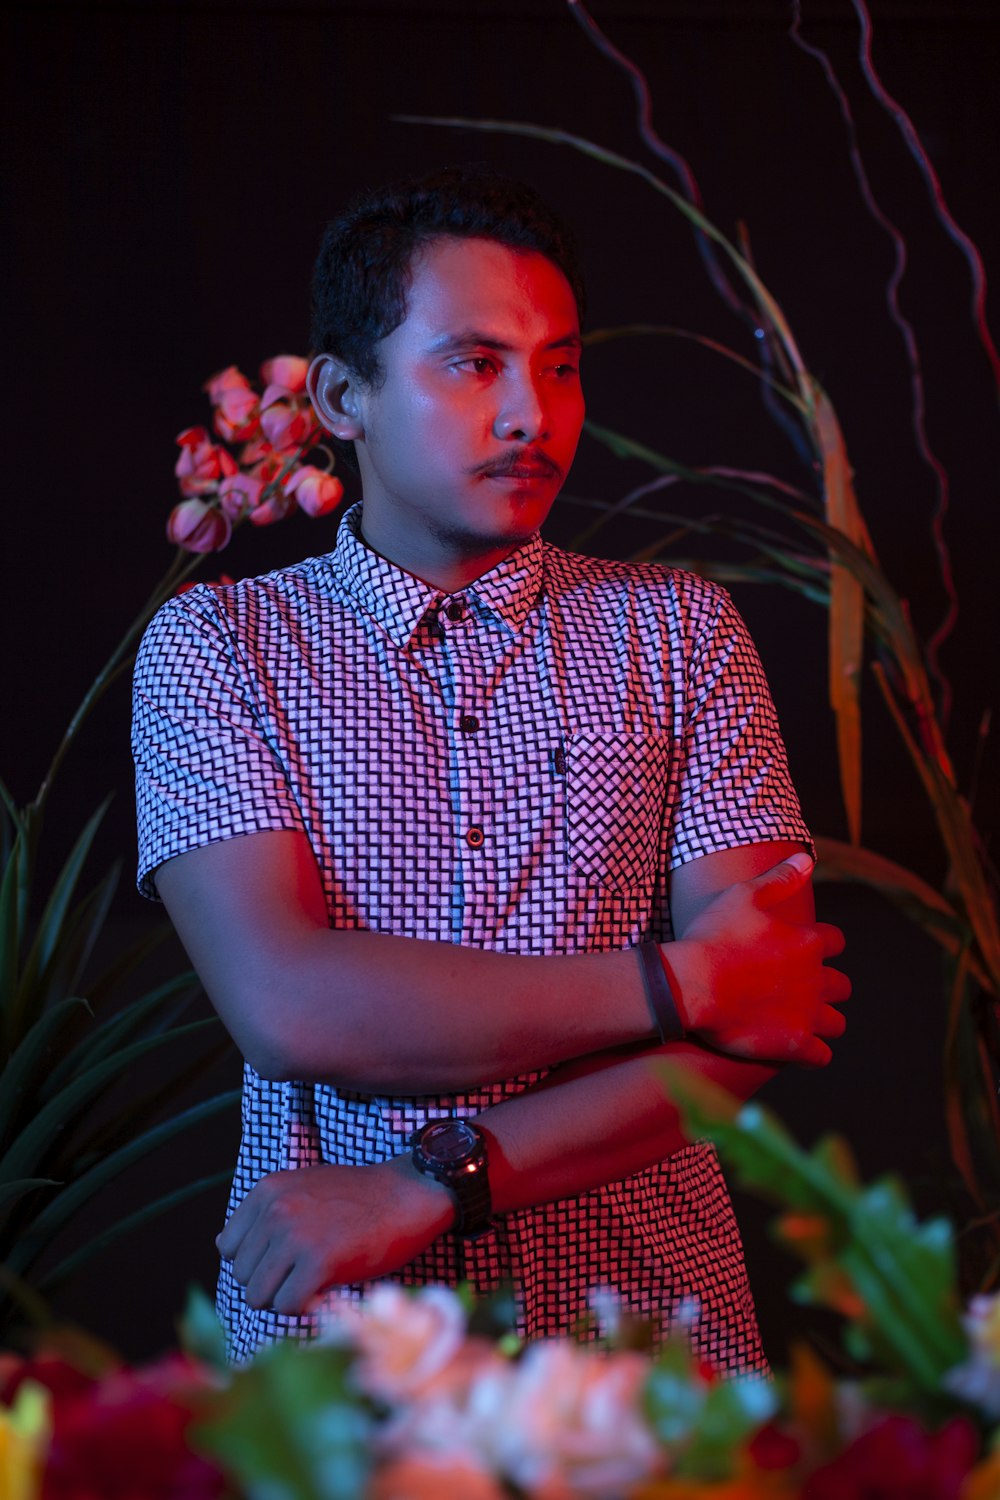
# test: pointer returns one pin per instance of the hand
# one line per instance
(297, 1233)
(752, 984)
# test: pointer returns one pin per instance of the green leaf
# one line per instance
(902, 1272)
(56, 1275)
(31, 1144)
(80, 930)
(50, 925)
(66, 1204)
(102, 1040)
(732, 1411)
(200, 1332)
(291, 1427)
(11, 933)
(125, 964)
(27, 1058)
(11, 1191)
(703, 1424)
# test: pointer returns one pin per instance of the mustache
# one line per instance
(520, 462)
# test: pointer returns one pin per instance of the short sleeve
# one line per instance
(734, 787)
(205, 770)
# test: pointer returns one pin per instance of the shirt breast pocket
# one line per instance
(616, 787)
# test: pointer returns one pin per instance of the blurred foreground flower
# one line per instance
(266, 478)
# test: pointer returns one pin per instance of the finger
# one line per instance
(229, 1241)
(300, 1289)
(782, 880)
(837, 987)
(830, 1023)
(813, 1053)
(268, 1277)
(831, 938)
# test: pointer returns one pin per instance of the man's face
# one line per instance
(467, 442)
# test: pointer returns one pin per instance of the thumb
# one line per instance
(781, 881)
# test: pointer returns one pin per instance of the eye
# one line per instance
(565, 372)
(479, 364)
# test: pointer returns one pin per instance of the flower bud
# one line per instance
(239, 494)
(229, 379)
(286, 422)
(317, 493)
(288, 370)
(236, 416)
(198, 526)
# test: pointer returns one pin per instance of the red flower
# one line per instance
(60, 1378)
(126, 1439)
(773, 1448)
(899, 1460)
(202, 463)
(236, 416)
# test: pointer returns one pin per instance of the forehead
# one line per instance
(472, 283)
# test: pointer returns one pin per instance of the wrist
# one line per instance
(422, 1195)
(685, 963)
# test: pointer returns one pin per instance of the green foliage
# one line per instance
(818, 545)
(314, 1444)
(868, 1258)
(70, 1038)
(703, 1423)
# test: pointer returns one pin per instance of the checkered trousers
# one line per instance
(516, 767)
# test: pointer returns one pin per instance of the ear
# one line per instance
(334, 392)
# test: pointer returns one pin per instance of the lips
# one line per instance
(540, 467)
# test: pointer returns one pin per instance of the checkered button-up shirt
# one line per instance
(517, 767)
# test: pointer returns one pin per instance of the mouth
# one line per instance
(519, 467)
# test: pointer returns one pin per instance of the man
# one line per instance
(448, 806)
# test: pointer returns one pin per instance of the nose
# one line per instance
(522, 416)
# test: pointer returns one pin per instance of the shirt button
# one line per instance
(468, 723)
(455, 610)
(475, 838)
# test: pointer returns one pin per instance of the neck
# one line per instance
(433, 564)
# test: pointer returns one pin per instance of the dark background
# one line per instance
(167, 171)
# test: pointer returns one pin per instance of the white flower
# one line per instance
(404, 1340)
(456, 1416)
(572, 1424)
(978, 1378)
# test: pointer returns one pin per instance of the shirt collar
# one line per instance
(398, 601)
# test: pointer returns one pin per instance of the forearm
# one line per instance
(417, 1017)
(370, 1011)
(393, 1015)
(597, 1122)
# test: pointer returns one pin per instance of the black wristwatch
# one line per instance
(453, 1151)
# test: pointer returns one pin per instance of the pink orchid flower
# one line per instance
(236, 415)
(316, 492)
(202, 463)
(275, 508)
(256, 449)
(286, 422)
(288, 370)
(239, 494)
(198, 526)
(229, 379)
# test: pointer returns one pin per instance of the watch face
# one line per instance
(448, 1141)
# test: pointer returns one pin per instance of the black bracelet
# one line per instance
(659, 995)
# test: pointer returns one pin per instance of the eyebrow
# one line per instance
(470, 338)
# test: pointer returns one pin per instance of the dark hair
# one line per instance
(364, 267)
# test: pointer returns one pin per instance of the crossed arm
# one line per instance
(393, 1015)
